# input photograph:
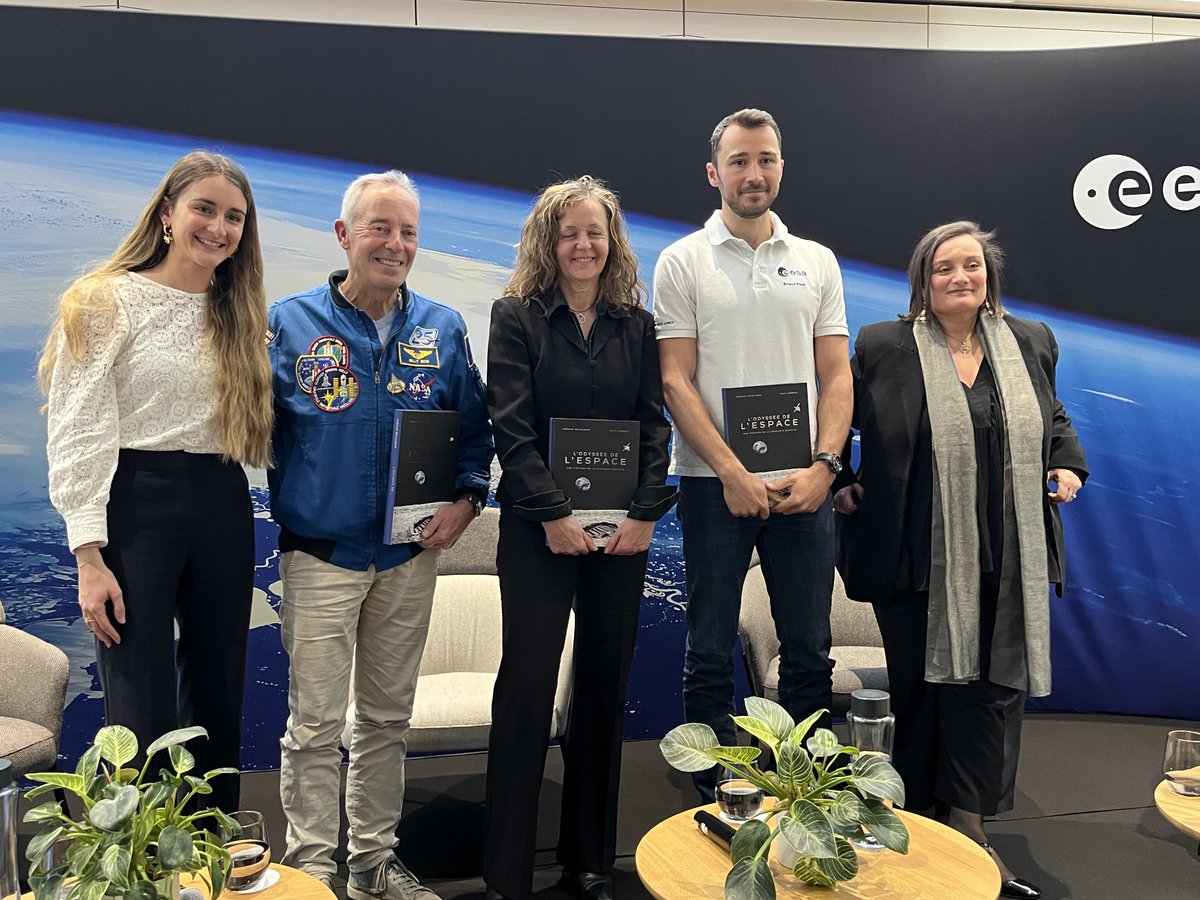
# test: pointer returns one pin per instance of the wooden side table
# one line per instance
(1182, 812)
(292, 885)
(676, 862)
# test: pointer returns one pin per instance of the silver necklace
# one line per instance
(581, 316)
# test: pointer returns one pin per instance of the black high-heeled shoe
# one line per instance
(1015, 887)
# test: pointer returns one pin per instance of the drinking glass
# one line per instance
(738, 799)
(250, 851)
(1181, 762)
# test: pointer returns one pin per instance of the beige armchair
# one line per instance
(857, 651)
(452, 711)
(33, 691)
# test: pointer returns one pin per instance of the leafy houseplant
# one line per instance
(136, 835)
(827, 794)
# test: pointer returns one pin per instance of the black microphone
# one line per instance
(719, 832)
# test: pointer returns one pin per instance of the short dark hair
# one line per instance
(747, 118)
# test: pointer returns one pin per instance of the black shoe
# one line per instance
(589, 885)
(1019, 887)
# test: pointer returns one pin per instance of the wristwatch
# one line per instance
(475, 500)
(831, 459)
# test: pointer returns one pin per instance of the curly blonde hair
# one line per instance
(536, 269)
(237, 309)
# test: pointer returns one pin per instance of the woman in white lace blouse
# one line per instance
(159, 388)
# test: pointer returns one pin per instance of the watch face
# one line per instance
(834, 461)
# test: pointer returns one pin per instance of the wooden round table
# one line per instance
(676, 862)
(292, 885)
(1182, 812)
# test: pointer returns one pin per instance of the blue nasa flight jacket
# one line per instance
(336, 390)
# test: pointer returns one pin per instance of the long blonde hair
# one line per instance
(237, 310)
(536, 269)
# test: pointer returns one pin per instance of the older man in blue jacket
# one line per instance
(347, 355)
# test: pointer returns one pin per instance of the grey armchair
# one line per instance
(452, 711)
(33, 691)
(857, 651)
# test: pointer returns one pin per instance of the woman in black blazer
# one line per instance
(950, 527)
(572, 340)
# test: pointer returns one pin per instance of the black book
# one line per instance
(595, 463)
(422, 472)
(766, 426)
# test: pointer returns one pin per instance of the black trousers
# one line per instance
(955, 744)
(537, 590)
(181, 545)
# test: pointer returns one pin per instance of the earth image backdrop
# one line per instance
(70, 190)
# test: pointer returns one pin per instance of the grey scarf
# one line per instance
(952, 639)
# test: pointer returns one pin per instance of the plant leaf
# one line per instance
(175, 848)
(887, 827)
(88, 762)
(141, 890)
(42, 841)
(112, 814)
(750, 879)
(776, 717)
(213, 773)
(80, 854)
(114, 865)
(48, 781)
(807, 829)
(808, 871)
(748, 840)
(874, 776)
(685, 747)
(48, 888)
(794, 766)
(47, 812)
(178, 736)
(757, 728)
(842, 867)
(846, 809)
(801, 730)
(156, 795)
(92, 889)
(823, 743)
(745, 755)
(181, 758)
(117, 744)
(199, 785)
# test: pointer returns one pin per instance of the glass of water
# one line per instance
(1181, 762)
(738, 799)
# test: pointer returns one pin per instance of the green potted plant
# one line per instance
(136, 834)
(826, 795)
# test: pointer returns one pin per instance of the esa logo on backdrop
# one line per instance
(1110, 191)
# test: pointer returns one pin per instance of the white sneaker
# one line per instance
(390, 880)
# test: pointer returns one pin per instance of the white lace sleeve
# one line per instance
(83, 425)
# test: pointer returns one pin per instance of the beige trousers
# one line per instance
(339, 625)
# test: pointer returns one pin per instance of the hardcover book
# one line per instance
(595, 463)
(766, 426)
(422, 472)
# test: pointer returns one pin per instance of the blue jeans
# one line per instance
(797, 563)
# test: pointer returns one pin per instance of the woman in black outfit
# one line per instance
(571, 339)
(951, 526)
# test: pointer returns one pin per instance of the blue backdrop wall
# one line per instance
(1082, 159)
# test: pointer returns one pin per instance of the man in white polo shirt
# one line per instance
(742, 303)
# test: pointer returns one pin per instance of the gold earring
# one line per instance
(921, 314)
(987, 305)
(167, 236)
